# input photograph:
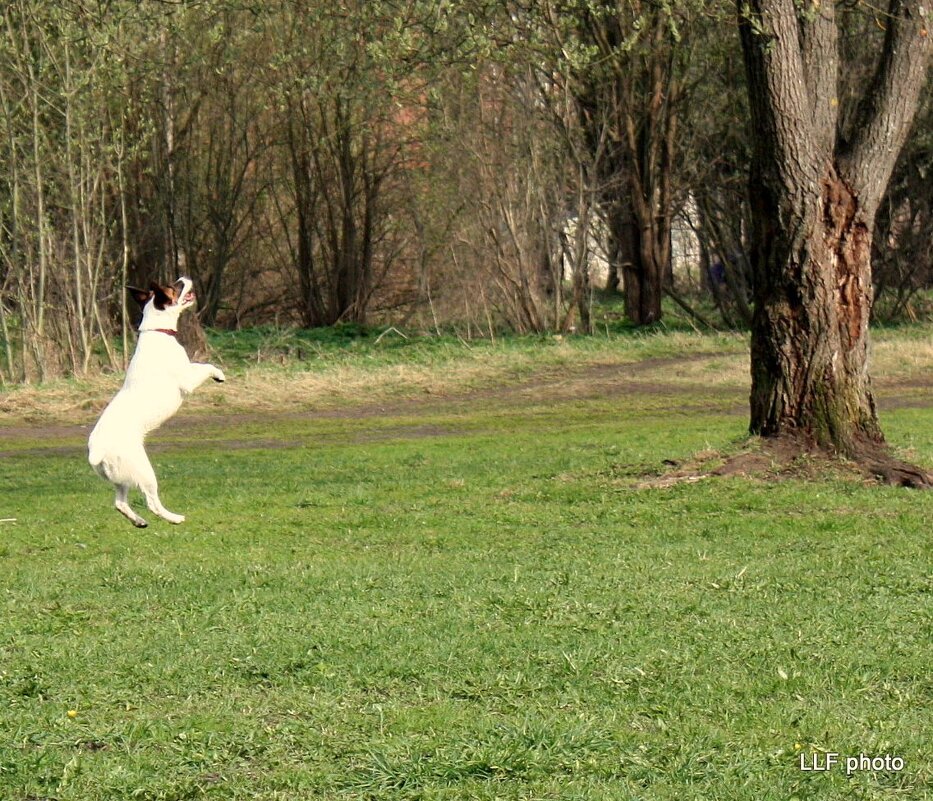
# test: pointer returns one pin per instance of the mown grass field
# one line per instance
(429, 570)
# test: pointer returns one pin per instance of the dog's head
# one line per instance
(163, 304)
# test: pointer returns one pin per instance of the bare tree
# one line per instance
(632, 86)
(57, 211)
(348, 113)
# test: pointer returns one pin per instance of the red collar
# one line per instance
(168, 331)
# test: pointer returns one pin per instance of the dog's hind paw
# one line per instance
(124, 509)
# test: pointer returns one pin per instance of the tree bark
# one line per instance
(192, 338)
(635, 261)
(810, 324)
(814, 195)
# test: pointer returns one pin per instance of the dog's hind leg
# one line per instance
(151, 491)
(150, 488)
(123, 507)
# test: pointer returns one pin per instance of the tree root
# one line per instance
(879, 463)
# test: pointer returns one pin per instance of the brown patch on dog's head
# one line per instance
(141, 296)
(164, 295)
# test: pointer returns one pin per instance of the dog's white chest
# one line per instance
(159, 360)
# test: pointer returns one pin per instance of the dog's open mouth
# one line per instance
(189, 298)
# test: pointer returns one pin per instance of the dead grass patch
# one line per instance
(368, 380)
(269, 387)
(722, 371)
(896, 359)
(662, 364)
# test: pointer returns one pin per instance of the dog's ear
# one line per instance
(162, 296)
(141, 296)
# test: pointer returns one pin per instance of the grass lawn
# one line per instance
(464, 594)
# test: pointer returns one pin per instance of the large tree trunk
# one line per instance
(641, 283)
(192, 338)
(639, 269)
(814, 196)
(810, 324)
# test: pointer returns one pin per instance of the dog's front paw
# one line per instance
(219, 376)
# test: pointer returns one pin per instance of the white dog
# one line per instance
(157, 381)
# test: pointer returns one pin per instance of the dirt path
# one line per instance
(586, 382)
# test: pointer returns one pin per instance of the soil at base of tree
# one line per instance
(776, 458)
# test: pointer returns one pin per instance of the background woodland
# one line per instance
(468, 166)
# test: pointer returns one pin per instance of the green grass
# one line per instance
(468, 600)
(318, 348)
